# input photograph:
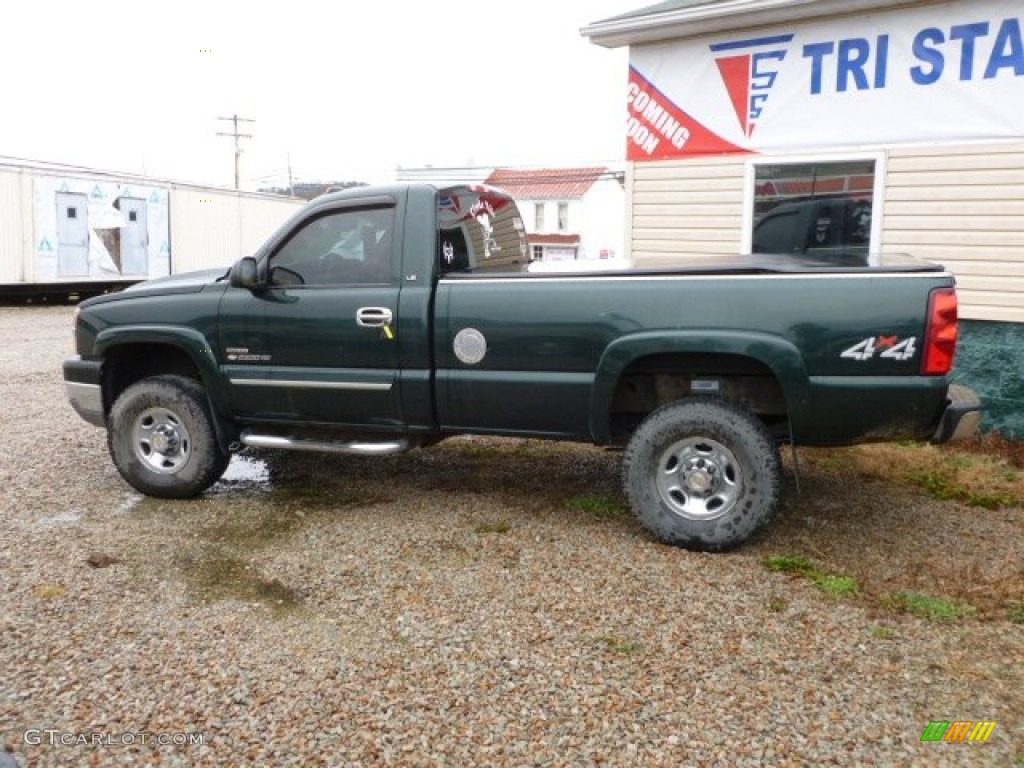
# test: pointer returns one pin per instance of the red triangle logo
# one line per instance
(735, 72)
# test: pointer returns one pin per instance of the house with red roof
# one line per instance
(569, 213)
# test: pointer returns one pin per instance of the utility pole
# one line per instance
(235, 120)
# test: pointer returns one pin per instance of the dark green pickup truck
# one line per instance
(383, 319)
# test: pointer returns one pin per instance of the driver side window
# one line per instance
(351, 247)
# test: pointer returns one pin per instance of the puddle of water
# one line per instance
(65, 519)
(244, 473)
(127, 505)
(225, 577)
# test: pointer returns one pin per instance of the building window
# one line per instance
(820, 209)
(538, 253)
(563, 217)
(560, 254)
(538, 217)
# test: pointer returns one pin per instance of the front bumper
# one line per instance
(962, 416)
(83, 383)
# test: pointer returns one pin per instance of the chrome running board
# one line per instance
(357, 447)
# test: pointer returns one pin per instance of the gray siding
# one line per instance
(963, 207)
(16, 233)
(684, 208)
(214, 228)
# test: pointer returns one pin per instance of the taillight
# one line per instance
(940, 333)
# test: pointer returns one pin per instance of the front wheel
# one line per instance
(702, 474)
(161, 437)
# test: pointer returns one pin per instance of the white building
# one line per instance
(569, 213)
(66, 229)
(443, 176)
(885, 126)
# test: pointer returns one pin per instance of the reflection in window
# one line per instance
(480, 231)
(563, 217)
(820, 209)
(538, 217)
(343, 248)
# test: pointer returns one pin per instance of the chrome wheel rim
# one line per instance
(699, 479)
(161, 440)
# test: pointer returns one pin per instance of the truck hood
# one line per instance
(188, 282)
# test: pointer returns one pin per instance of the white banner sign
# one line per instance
(942, 72)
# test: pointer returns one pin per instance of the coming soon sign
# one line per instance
(946, 72)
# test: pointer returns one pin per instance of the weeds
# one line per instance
(833, 584)
(916, 603)
(500, 526)
(788, 564)
(598, 507)
(50, 591)
(958, 472)
(942, 483)
(618, 644)
(776, 604)
(836, 586)
(994, 444)
(925, 606)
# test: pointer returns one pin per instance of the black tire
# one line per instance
(702, 474)
(161, 437)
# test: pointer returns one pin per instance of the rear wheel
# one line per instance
(161, 437)
(702, 474)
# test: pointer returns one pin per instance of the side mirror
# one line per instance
(245, 274)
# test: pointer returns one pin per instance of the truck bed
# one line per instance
(752, 264)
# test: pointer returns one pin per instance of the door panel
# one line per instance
(134, 237)
(72, 234)
(315, 344)
(519, 355)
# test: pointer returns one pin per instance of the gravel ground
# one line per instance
(484, 602)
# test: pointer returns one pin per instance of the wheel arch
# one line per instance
(133, 354)
(740, 358)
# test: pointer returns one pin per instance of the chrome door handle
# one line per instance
(373, 317)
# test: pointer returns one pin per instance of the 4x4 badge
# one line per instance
(890, 347)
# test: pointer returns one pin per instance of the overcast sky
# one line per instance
(351, 90)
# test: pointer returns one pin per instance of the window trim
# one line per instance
(877, 192)
(313, 210)
(282, 242)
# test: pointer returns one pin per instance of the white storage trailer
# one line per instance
(66, 230)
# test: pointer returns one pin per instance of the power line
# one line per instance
(235, 120)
